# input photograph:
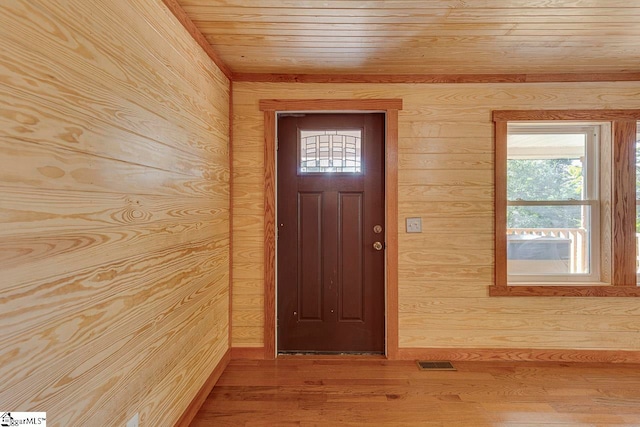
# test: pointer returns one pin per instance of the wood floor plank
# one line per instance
(306, 391)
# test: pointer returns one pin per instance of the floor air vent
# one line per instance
(425, 365)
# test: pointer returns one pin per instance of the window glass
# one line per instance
(548, 240)
(330, 151)
(552, 205)
(545, 166)
(638, 199)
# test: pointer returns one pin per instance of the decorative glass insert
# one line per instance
(330, 151)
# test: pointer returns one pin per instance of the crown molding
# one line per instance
(435, 78)
(177, 10)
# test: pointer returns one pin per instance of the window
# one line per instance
(553, 205)
(333, 151)
(565, 220)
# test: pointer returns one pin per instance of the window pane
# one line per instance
(638, 198)
(546, 217)
(544, 240)
(637, 238)
(546, 166)
(330, 151)
(638, 164)
(553, 205)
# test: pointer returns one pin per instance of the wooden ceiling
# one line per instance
(421, 36)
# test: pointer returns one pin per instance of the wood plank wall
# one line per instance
(114, 212)
(445, 177)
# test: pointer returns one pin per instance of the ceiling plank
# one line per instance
(428, 37)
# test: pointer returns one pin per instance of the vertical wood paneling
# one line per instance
(114, 212)
(444, 272)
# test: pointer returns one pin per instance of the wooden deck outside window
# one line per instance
(615, 255)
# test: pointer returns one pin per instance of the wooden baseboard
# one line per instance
(195, 405)
(486, 354)
(250, 353)
(519, 355)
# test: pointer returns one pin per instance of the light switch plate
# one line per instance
(414, 225)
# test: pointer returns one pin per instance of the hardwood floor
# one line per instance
(301, 391)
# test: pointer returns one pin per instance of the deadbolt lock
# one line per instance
(377, 229)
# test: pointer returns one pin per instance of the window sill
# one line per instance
(553, 290)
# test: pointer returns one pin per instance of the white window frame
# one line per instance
(591, 173)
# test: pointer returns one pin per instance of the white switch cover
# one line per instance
(134, 421)
(414, 225)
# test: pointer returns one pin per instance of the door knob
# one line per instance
(377, 246)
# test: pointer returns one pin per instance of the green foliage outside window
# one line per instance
(543, 180)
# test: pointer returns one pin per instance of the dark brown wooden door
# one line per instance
(330, 200)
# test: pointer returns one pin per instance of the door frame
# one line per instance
(390, 108)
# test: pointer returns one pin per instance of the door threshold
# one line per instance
(330, 355)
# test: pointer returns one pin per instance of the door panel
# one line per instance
(330, 197)
(310, 301)
(350, 259)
